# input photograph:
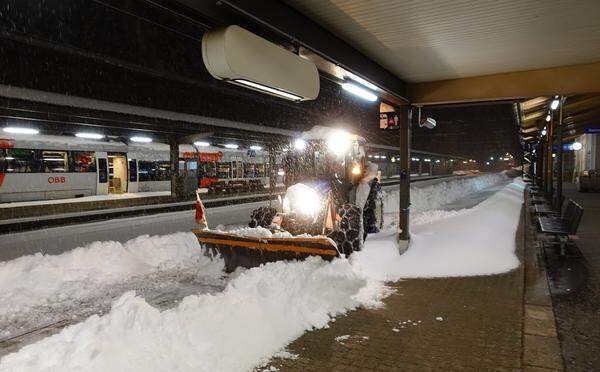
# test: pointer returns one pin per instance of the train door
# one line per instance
(132, 185)
(117, 174)
(102, 174)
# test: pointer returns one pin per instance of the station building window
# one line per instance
(223, 170)
(249, 170)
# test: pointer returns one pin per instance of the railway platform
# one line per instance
(575, 287)
(483, 323)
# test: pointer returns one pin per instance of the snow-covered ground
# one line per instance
(259, 310)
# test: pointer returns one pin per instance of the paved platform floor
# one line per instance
(447, 324)
(575, 288)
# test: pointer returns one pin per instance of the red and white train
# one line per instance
(41, 167)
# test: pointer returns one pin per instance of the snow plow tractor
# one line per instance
(315, 217)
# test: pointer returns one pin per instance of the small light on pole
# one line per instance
(555, 103)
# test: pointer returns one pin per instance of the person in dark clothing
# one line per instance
(370, 220)
(368, 196)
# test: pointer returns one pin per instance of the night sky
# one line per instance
(475, 131)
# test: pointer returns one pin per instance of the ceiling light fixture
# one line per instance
(358, 91)
(201, 143)
(361, 81)
(555, 102)
(89, 135)
(256, 148)
(267, 89)
(141, 139)
(20, 130)
(231, 146)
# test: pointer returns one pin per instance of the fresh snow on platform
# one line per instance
(258, 313)
(476, 241)
(260, 310)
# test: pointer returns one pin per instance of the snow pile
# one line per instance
(261, 232)
(260, 311)
(39, 279)
(433, 197)
(476, 241)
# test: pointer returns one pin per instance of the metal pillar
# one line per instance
(405, 123)
(176, 187)
(539, 165)
(549, 162)
(559, 158)
(420, 167)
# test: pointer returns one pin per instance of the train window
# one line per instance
(154, 171)
(163, 171)
(208, 170)
(82, 161)
(132, 170)
(223, 170)
(144, 170)
(19, 161)
(54, 161)
(249, 170)
(102, 170)
(192, 165)
(261, 170)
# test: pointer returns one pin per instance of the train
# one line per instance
(42, 167)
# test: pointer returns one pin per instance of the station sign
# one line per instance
(592, 130)
(389, 121)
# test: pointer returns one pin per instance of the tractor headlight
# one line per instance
(339, 142)
(303, 200)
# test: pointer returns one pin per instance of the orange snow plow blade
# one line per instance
(252, 251)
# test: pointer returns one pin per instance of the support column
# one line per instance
(420, 167)
(549, 162)
(272, 169)
(539, 165)
(559, 158)
(405, 123)
(176, 186)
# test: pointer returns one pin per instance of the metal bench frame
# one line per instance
(562, 227)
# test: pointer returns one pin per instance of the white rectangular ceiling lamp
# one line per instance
(240, 57)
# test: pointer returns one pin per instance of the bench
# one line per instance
(563, 226)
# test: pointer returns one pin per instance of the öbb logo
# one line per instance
(57, 179)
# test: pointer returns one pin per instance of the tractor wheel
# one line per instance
(262, 217)
(349, 233)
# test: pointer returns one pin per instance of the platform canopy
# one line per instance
(472, 51)
(581, 114)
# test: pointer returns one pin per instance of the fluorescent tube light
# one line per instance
(141, 139)
(20, 130)
(361, 81)
(89, 135)
(362, 93)
(270, 90)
